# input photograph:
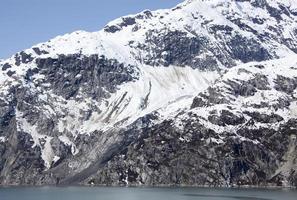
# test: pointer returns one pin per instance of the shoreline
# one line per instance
(153, 186)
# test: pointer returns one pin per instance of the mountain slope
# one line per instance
(240, 131)
(83, 101)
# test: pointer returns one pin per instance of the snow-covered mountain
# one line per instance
(200, 94)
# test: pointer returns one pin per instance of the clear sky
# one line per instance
(24, 23)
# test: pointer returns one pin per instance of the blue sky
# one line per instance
(24, 23)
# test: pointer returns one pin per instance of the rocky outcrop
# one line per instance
(95, 76)
(198, 156)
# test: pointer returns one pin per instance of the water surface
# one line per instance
(116, 193)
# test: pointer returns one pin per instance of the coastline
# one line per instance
(152, 186)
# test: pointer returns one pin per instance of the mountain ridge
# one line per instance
(79, 108)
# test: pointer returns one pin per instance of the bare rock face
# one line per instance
(167, 97)
(96, 76)
(195, 159)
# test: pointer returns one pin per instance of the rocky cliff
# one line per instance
(201, 94)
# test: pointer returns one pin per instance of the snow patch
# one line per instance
(42, 141)
(162, 89)
(2, 139)
(68, 142)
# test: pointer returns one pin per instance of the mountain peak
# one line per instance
(260, 3)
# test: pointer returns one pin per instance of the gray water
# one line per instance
(105, 193)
